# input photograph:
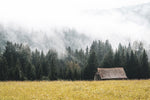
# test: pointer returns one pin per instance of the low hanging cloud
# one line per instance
(125, 24)
(116, 20)
(55, 39)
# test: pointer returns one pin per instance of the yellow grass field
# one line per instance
(76, 90)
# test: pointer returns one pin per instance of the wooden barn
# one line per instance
(110, 73)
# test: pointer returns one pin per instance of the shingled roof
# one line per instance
(110, 73)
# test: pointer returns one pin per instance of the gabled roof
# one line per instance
(111, 73)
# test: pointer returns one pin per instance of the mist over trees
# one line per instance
(57, 39)
(18, 62)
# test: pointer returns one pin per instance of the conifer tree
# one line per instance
(91, 67)
(108, 60)
(144, 69)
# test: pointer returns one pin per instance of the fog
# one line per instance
(116, 20)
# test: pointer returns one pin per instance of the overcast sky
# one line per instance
(117, 20)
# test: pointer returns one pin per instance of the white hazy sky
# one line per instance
(78, 14)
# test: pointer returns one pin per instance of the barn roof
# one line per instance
(111, 73)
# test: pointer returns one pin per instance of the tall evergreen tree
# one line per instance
(31, 73)
(3, 69)
(144, 68)
(17, 71)
(37, 64)
(51, 59)
(133, 65)
(91, 67)
(117, 59)
(108, 60)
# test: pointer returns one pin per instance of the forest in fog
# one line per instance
(19, 62)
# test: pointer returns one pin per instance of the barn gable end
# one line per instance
(110, 73)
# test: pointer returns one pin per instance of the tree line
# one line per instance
(18, 62)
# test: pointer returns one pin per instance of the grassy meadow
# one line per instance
(76, 90)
